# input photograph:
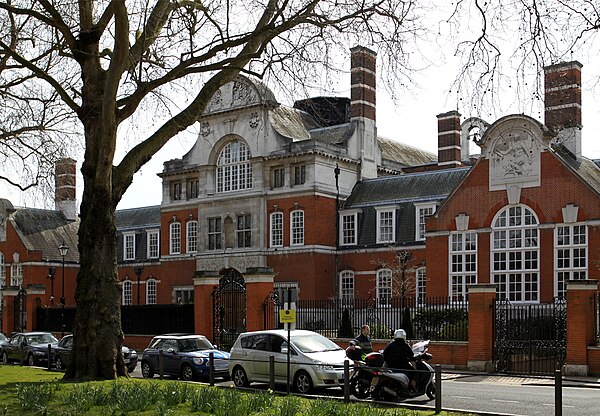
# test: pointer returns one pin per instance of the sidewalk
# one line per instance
(571, 381)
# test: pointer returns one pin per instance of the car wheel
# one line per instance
(30, 360)
(58, 363)
(187, 372)
(147, 371)
(4, 358)
(431, 391)
(303, 382)
(240, 379)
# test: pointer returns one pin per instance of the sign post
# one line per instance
(287, 316)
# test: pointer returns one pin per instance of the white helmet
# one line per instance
(399, 333)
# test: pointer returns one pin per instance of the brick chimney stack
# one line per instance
(363, 80)
(449, 139)
(65, 173)
(562, 103)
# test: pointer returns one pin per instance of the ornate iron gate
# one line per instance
(21, 311)
(229, 308)
(530, 338)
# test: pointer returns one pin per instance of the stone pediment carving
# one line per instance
(513, 146)
(241, 92)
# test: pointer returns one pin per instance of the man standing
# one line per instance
(364, 340)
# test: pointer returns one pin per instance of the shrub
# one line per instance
(346, 330)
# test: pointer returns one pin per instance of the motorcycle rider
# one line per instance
(364, 340)
(398, 355)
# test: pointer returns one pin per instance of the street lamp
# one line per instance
(138, 272)
(63, 249)
(336, 280)
(51, 272)
(404, 257)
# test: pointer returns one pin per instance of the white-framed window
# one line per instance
(515, 254)
(244, 231)
(346, 285)
(570, 255)
(153, 244)
(276, 229)
(463, 264)
(384, 287)
(234, 170)
(422, 211)
(150, 292)
(297, 228)
(183, 295)
(2, 272)
(16, 274)
(348, 228)
(386, 225)
(191, 234)
(127, 292)
(214, 233)
(175, 238)
(420, 285)
(128, 246)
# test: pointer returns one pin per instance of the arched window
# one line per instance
(127, 292)
(234, 170)
(151, 292)
(297, 228)
(515, 254)
(420, 284)
(347, 285)
(384, 287)
(175, 238)
(277, 229)
(192, 236)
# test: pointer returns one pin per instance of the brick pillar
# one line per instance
(8, 310)
(481, 324)
(204, 284)
(259, 283)
(31, 303)
(580, 325)
(449, 139)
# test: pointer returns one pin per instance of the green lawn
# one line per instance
(32, 391)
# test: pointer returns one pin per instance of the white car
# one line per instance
(316, 361)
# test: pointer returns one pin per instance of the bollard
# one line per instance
(49, 356)
(438, 388)
(161, 364)
(211, 368)
(21, 356)
(272, 372)
(557, 393)
(346, 381)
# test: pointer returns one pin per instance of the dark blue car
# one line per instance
(184, 355)
(32, 347)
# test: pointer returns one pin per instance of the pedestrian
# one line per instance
(364, 339)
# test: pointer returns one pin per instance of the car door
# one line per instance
(64, 349)
(279, 347)
(170, 350)
(14, 347)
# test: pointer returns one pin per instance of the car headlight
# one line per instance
(324, 366)
(199, 360)
(40, 352)
(133, 353)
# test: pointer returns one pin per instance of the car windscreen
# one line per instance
(314, 343)
(41, 339)
(194, 344)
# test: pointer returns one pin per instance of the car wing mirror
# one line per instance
(284, 350)
(171, 351)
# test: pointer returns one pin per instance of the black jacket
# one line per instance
(398, 355)
(364, 342)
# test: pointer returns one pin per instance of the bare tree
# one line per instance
(83, 68)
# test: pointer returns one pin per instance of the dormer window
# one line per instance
(234, 171)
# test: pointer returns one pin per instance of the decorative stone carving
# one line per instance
(513, 193)
(216, 102)
(242, 94)
(205, 129)
(254, 120)
(569, 213)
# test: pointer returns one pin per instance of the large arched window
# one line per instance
(127, 292)
(151, 292)
(234, 171)
(384, 287)
(347, 285)
(515, 254)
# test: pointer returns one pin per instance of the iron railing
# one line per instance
(439, 319)
(135, 319)
(597, 316)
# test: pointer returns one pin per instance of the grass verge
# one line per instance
(32, 391)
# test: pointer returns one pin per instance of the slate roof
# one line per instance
(415, 187)
(45, 230)
(588, 170)
(138, 217)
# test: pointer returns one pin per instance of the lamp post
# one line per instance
(138, 272)
(404, 257)
(63, 249)
(336, 172)
(51, 272)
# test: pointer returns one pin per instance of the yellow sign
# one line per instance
(287, 316)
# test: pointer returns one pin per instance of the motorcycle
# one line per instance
(395, 384)
(371, 377)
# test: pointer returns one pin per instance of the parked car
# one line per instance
(3, 339)
(63, 350)
(184, 355)
(316, 361)
(32, 346)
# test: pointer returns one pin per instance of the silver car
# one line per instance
(316, 361)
